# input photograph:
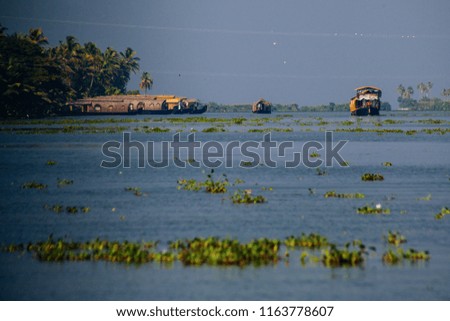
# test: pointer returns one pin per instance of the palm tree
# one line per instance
(409, 92)
(146, 82)
(401, 91)
(37, 36)
(423, 88)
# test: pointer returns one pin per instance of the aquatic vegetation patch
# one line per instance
(352, 254)
(270, 129)
(33, 185)
(398, 255)
(387, 164)
(149, 130)
(51, 163)
(246, 197)
(64, 182)
(444, 211)
(395, 238)
(210, 185)
(98, 250)
(213, 130)
(215, 251)
(321, 172)
(367, 209)
(135, 190)
(425, 198)
(311, 240)
(343, 195)
(372, 177)
(314, 155)
(59, 208)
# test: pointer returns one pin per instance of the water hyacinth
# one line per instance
(372, 177)
(246, 197)
(33, 185)
(373, 210)
(311, 240)
(395, 238)
(351, 255)
(343, 195)
(399, 255)
(210, 185)
(444, 211)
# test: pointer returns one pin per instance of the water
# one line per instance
(421, 166)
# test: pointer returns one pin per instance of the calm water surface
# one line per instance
(421, 166)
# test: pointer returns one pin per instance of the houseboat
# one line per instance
(366, 102)
(262, 106)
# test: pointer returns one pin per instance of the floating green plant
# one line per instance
(373, 210)
(272, 129)
(189, 185)
(210, 185)
(155, 130)
(444, 211)
(311, 240)
(395, 238)
(387, 164)
(215, 251)
(372, 177)
(425, 198)
(314, 154)
(33, 185)
(351, 255)
(246, 197)
(64, 182)
(321, 172)
(213, 130)
(51, 163)
(343, 195)
(398, 255)
(216, 186)
(246, 164)
(135, 190)
(59, 208)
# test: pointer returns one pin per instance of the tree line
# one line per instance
(425, 102)
(38, 80)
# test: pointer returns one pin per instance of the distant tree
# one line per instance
(146, 82)
(425, 88)
(401, 91)
(445, 92)
(409, 92)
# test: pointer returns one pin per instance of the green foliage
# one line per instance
(135, 190)
(372, 177)
(215, 251)
(373, 210)
(387, 164)
(444, 211)
(33, 185)
(398, 255)
(213, 130)
(395, 238)
(64, 182)
(210, 185)
(246, 197)
(312, 240)
(351, 255)
(37, 80)
(343, 195)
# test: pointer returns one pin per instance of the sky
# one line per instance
(308, 52)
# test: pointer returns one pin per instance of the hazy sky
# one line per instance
(235, 51)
